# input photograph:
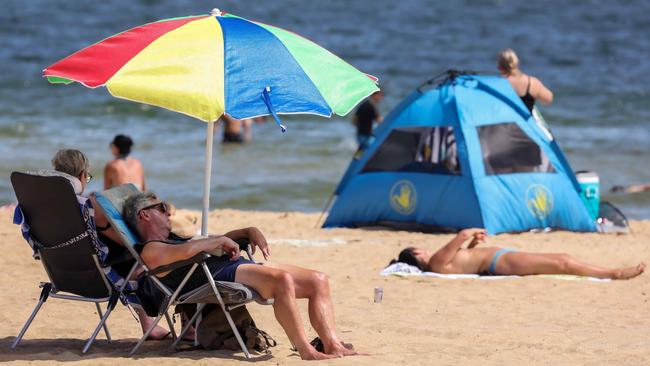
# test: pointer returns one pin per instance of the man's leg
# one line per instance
(522, 263)
(279, 285)
(314, 285)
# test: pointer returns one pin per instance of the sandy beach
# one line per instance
(421, 321)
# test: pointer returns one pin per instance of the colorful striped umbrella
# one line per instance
(205, 66)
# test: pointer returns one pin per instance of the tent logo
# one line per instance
(403, 197)
(539, 201)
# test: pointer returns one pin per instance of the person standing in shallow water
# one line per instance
(365, 117)
(528, 88)
(123, 169)
(238, 131)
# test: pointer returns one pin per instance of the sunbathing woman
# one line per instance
(452, 258)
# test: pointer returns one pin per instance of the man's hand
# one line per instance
(258, 240)
(231, 248)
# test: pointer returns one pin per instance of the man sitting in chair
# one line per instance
(284, 283)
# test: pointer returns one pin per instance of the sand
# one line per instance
(421, 321)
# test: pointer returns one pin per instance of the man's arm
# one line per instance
(376, 116)
(446, 254)
(255, 236)
(156, 254)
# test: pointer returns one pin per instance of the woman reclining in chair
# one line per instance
(452, 258)
(76, 166)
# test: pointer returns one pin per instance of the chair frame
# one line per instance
(50, 290)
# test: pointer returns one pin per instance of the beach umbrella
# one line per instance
(207, 65)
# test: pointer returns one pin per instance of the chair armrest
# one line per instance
(243, 243)
(199, 258)
(245, 246)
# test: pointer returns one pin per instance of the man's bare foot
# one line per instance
(310, 354)
(158, 334)
(630, 272)
(341, 350)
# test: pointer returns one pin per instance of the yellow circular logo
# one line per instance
(403, 197)
(539, 201)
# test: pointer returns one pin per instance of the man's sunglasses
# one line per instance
(161, 206)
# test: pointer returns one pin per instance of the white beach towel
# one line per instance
(308, 243)
(405, 270)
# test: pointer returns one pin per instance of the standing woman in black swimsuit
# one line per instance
(529, 88)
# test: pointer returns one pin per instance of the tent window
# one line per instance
(419, 149)
(507, 149)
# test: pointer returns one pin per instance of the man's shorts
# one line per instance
(227, 273)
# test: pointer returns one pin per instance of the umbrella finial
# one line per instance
(215, 12)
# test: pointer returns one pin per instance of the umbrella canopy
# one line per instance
(208, 65)
(204, 66)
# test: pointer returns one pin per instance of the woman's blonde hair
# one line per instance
(508, 61)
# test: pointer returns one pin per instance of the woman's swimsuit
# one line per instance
(528, 99)
(493, 265)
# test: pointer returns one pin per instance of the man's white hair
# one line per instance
(134, 204)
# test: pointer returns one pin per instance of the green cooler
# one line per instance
(590, 184)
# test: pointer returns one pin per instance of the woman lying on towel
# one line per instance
(453, 259)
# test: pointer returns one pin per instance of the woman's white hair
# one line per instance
(71, 161)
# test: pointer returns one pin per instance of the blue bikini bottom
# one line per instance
(493, 265)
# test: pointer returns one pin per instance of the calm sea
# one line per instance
(595, 56)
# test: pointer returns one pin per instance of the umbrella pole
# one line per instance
(206, 180)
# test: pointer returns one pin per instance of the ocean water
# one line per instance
(592, 54)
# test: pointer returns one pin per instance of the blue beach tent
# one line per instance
(466, 153)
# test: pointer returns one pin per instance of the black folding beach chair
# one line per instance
(63, 238)
(229, 295)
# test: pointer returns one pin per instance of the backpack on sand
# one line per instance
(214, 332)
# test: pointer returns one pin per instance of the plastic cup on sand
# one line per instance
(379, 294)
